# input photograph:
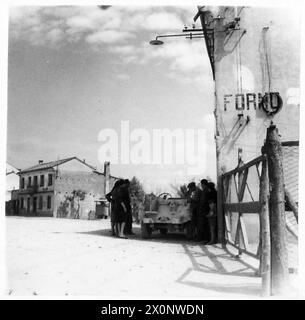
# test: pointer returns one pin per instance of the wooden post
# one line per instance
(265, 258)
(239, 196)
(292, 205)
(279, 255)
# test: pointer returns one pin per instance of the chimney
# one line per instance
(40, 161)
(107, 176)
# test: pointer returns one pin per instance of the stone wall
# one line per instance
(68, 206)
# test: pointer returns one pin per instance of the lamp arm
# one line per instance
(179, 35)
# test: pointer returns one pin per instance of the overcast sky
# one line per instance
(76, 70)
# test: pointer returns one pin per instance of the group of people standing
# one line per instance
(203, 203)
(121, 215)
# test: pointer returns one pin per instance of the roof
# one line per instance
(11, 169)
(52, 164)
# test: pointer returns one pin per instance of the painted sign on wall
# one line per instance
(271, 103)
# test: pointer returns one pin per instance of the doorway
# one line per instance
(34, 204)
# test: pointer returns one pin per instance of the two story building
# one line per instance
(63, 188)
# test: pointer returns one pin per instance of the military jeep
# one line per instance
(167, 214)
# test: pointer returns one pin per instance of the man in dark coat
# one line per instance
(212, 214)
(194, 195)
(203, 224)
(128, 225)
(109, 197)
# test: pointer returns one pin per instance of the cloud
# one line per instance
(182, 56)
(186, 55)
(83, 20)
(123, 76)
(80, 22)
(55, 35)
(123, 50)
(112, 28)
(163, 21)
(26, 15)
(109, 36)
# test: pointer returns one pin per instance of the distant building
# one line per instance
(12, 180)
(12, 186)
(63, 188)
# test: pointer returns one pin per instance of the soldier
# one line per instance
(194, 198)
(109, 197)
(120, 208)
(128, 225)
(203, 225)
(212, 216)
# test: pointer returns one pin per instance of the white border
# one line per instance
(3, 96)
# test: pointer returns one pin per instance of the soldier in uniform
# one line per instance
(194, 195)
(203, 225)
(128, 225)
(212, 216)
(110, 198)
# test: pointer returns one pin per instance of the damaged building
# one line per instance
(66, 188)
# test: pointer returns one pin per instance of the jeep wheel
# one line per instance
(145, 231)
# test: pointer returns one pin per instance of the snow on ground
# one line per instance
(63, 257)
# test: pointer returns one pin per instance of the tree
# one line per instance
(181, 191)
(137, 196)
(136, 189)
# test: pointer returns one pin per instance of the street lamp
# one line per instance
(156, 42)
(195, 33)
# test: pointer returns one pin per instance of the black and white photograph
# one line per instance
(152, 151)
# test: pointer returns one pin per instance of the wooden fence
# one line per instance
(254, 214)
(235, 185)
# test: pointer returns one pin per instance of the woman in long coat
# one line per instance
(109, 197)
(120, 208)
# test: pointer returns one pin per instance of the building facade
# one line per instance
(255, 60)
(64, 188)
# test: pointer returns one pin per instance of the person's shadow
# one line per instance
(170, 237)
(208, 260)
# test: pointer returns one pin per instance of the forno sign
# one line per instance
(271, 103)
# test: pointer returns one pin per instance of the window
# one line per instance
(42, 180)
(29, 181)
(22, 183)
(21, 202)
(50, 179)
(35, 181)
(40, 203)
(49, 202)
